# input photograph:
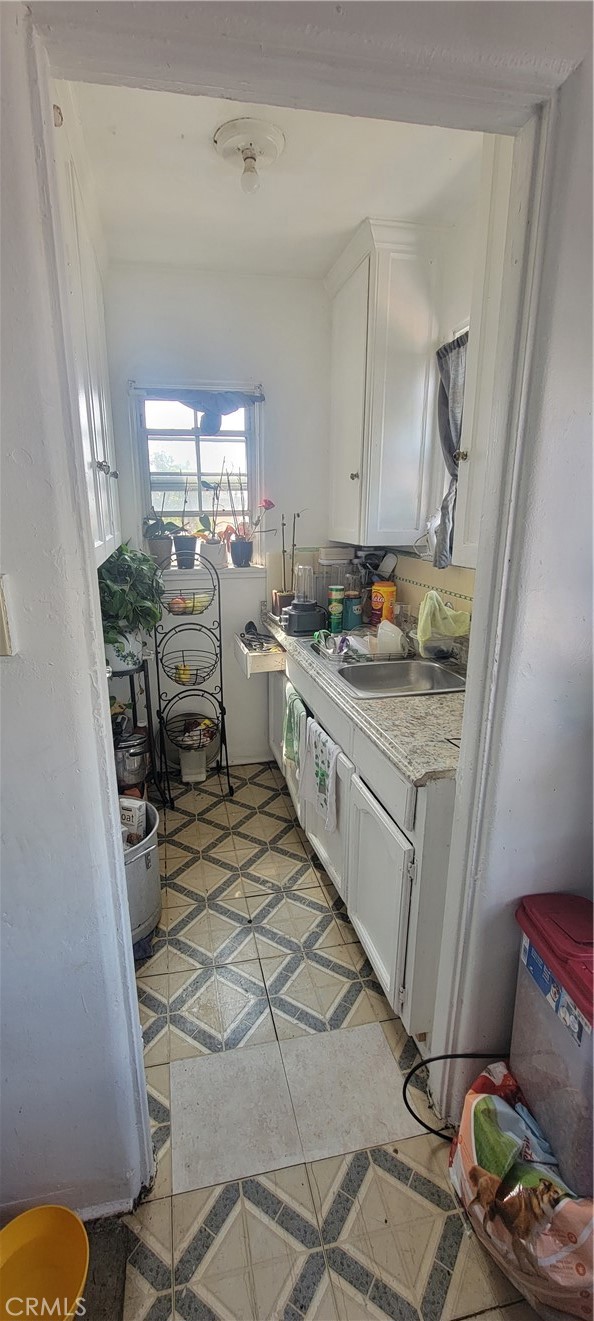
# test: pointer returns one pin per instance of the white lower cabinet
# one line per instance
(379, 885)
(332, 847)
(393, 883)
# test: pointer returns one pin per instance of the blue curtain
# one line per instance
(451, 363)
(213, 404)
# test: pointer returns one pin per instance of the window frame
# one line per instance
(253, 440)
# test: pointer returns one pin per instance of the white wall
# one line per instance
(75, 1124)
(167, 324)
(539, 787)
(458, 255)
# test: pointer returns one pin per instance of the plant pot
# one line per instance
(241, 552)
(126, 653)
(161, 549)
(185, 551)
(215, 552)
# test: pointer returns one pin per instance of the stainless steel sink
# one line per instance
(400, 678)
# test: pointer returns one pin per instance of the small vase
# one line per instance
(161, 549)
(241, 552)
(126, 653)
(185, 551)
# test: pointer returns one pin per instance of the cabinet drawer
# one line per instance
(395, 793)
(257, 662)
(327, 713)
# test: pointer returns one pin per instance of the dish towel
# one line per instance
(318, 781)
(294, 709)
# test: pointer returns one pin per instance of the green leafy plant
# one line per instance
(154, 527)
(130, 591)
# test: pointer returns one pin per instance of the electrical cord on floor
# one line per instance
(433, 1059)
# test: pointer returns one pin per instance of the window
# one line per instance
(182, 466)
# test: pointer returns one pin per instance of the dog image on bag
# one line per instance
(525, 1213)
(529, 1221)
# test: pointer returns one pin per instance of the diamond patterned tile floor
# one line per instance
(255, 948)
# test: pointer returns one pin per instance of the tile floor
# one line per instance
(286, 1185)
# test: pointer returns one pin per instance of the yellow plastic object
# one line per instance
(435, 617)
(44, 1255)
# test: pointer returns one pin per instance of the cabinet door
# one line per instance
(479, 390)
(83, 311)
(347, 396)
(378, 886)
(332, 846)
(401, 398)
(276, 714)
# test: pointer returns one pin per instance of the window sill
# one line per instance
(254, 571)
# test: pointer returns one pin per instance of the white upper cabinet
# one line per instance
(85, 331)
(347, 384)
(383, 378)
(480, 386)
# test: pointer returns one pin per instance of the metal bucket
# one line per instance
(143, 879)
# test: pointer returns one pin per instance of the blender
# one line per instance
(304, 615)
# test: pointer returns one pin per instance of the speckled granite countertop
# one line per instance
(413, 732)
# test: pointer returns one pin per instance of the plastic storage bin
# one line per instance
(551, 1050)
(143, 879)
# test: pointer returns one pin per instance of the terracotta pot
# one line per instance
(241, 552)
(161, 549)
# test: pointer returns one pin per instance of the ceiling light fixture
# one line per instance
(252, 141)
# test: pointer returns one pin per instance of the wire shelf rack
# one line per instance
(188, 656)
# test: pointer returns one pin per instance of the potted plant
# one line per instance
(212, 547)
(158, 535)
(241, 545)
(130, 591)
(184, 540)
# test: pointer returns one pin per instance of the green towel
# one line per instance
(293, 709)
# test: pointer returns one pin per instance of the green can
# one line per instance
(335, 607)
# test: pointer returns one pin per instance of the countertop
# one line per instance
(413, 732)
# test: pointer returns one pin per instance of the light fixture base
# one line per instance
(256, 135)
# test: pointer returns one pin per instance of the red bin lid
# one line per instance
(560, 926)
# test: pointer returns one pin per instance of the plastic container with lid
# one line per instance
(551, 1050)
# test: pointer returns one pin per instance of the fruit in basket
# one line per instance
(198, 732)
(183, 673)
(200, 602)
(178, 605)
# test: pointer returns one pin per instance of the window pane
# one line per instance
(215, 453)
(165, 413)
(168, 492)
(234, 421)
(171, 455)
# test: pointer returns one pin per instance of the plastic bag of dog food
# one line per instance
(539, 1233)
